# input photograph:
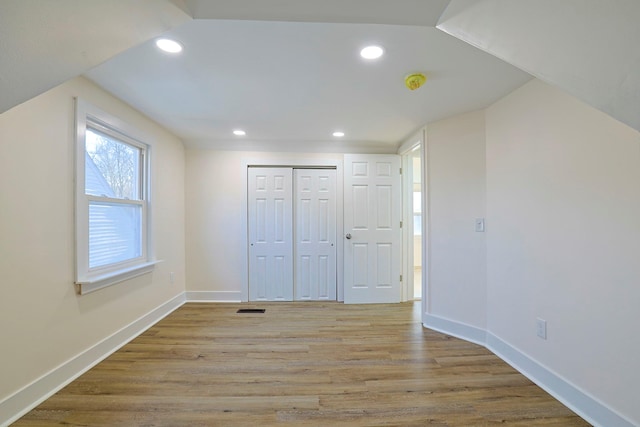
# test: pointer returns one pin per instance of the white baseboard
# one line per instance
(579, 401)
(214, 296)
(30, 396)
(456, 329)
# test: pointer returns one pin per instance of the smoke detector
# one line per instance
(414, 81)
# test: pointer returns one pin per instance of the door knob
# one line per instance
(348, 236)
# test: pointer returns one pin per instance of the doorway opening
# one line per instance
(416, 209)
(414, 232)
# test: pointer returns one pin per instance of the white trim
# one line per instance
(19, 403)
(94, 283)
(456, 329)
(420, 138)
(426, 225)
(31, 395)
(340, 229)
(244, 237)
(407, 228)
(412, 142)
(214, 296)
(88, 279)
(406, 150)
(582, 403)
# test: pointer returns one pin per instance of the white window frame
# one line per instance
(91, 279)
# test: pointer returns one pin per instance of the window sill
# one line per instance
(91, 284)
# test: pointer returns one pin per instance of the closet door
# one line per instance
(315, 234)
(270, 234)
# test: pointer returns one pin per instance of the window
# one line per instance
(112, 203)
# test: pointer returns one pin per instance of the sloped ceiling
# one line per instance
(585, 47)
(588, 48)
(44, 43)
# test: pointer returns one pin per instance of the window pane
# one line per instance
(417, 224)
(115, 233)
(112, 167)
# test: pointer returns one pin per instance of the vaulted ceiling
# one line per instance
(289, 70)
(588, 48)
(44, 43)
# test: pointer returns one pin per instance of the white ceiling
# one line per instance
(394, 12)
(44, 43)
(299, 81)
(294, 82)
(589, 48)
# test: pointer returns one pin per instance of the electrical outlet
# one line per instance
(541, 328)
(172, 277)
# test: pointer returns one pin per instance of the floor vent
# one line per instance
(251, 310)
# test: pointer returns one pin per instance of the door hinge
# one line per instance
(401, 277)
(400, 224)
(400, 171)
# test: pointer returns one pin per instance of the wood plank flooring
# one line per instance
(300, 364)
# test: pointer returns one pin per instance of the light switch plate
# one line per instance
(480, 225)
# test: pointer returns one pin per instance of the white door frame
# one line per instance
(420, 138)
(293, 162)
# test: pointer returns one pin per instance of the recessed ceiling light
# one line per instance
(168, 45)
(338, 134)
(371, 52)
(239, 132)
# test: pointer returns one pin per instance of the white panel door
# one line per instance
(315, 234)
(373, 241)
(270, 234)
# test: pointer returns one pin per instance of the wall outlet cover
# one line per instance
(541, 328)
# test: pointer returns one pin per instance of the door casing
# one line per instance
(420, 138)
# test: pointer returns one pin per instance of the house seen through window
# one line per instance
(112, 177)
(112, 205)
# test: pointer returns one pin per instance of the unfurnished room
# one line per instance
(319, 212)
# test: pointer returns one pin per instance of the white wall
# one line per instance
(43, 322)
(216, 230)
(563, 209)
(456, 191)
(214, 203)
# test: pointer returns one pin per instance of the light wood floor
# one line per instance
(301, 364)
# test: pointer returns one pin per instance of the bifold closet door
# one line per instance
(270, 214)
(315, 234)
